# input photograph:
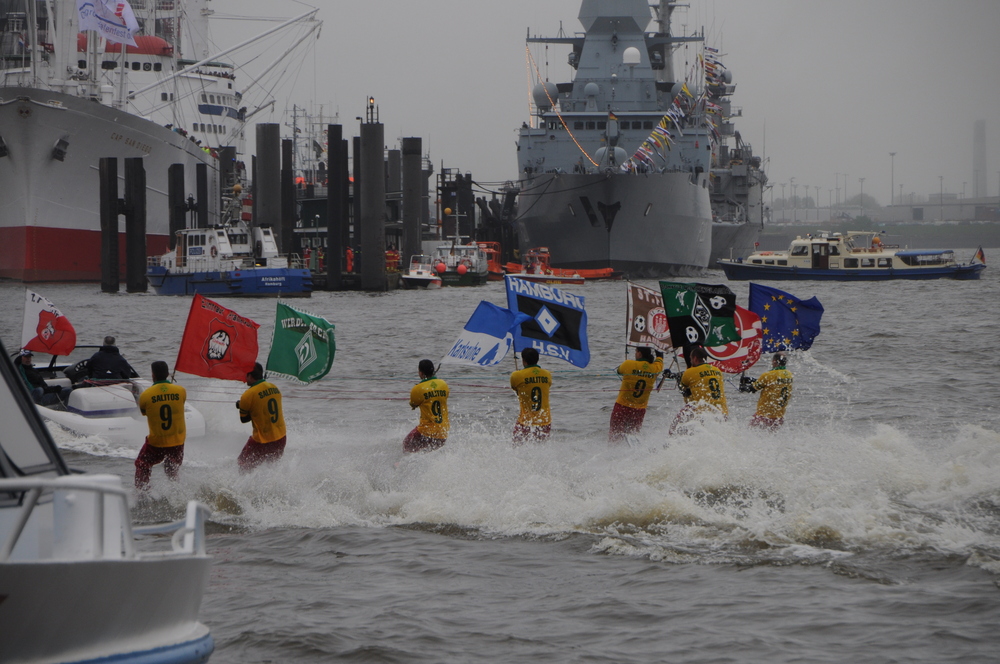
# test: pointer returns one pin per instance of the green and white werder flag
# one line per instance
(302, 347)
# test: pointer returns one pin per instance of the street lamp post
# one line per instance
(795, 203)
(836, 177)
(862, 199)
(817, 202)
(941, 197)
(783, 201)
(892, 175)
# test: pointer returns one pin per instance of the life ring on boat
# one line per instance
(215, 252)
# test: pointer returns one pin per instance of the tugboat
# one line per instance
(855, 256)
(231, 260)
(461, 264)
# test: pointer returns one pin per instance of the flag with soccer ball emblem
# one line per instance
(699, 314)
(217, 342)
(647, 319)
(302, 346)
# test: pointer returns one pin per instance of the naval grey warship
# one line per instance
(629, 166)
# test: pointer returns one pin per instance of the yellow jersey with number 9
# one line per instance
(163, 405)
(707, 387)
(775, 389)
(638, 381)
(431, 397)
(532, 386)
(262, 403)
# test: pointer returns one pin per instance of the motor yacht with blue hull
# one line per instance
(855, 256)
(227, 261)
(77, 582)
(627, 166)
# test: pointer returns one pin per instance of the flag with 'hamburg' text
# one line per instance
(45, 329)
(302, 346)
(557, 321)
(787, 322)
(699, 314)
(217, 342)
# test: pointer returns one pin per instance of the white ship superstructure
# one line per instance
(68, 99)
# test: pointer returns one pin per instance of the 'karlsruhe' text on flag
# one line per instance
(486, 338)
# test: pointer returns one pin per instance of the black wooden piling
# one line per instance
(412, 190)
(135, 225)
(108, 173)
(337, 173)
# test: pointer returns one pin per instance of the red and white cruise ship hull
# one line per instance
(50, 227)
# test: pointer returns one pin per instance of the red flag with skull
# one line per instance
(217, 342)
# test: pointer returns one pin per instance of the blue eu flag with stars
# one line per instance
(787, 322)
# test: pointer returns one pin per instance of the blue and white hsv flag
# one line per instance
(486, 338)
(114, 19)
(557, 321)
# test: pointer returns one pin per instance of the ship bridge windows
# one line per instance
(801, 250)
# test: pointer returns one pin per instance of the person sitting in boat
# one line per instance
(108, 363)
(876, 243)
(42, 393)
(775, 387)
(703, 388)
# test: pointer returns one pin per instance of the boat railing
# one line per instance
(98, 527)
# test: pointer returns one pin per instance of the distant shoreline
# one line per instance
(960, 235)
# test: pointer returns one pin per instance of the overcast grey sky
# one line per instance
(833, 86)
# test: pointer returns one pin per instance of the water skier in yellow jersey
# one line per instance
(430, 395)
(638, 380)
(163, 405)
(261, 405)
(703, 387)
(531, 384)
(775, 387)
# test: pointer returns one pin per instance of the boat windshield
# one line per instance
(26, 448)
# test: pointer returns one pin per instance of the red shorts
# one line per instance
(767, 423)
(625, 420)
(418, 442)
(255, 453)
(150, 455)
(525, 432)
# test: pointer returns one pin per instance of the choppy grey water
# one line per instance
(867, 530)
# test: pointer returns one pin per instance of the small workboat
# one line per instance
(537, 266)
(461, 264)
(854, 256)
(105, 408)
(73, 583)
(228, 260)
(421, 273)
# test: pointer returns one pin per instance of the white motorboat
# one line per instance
(103, 408)
(421, 273)
(74, 585)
